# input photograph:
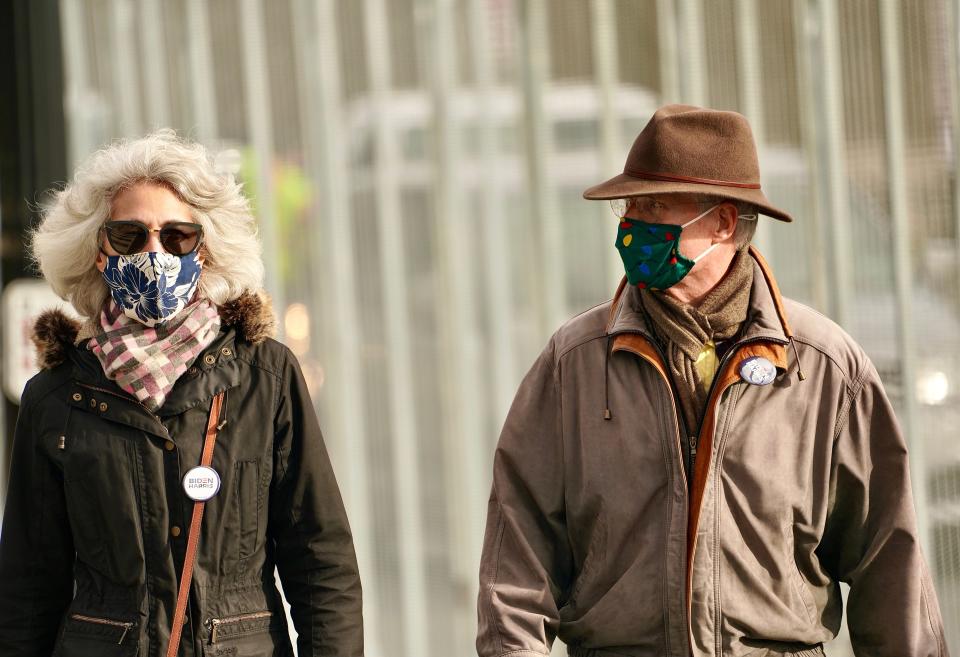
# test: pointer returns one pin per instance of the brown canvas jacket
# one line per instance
(595, 536)
(96, 521)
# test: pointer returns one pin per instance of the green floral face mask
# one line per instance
(651, 252)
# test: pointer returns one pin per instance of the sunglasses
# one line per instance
(178, 238)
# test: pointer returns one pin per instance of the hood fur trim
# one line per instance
(55, 332)
(252, 315)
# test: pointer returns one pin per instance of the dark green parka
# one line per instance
(96, 521)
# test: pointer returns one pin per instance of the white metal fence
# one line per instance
(417, 167)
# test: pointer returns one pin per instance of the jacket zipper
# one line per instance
(694, 441)
(105, 621)
(126, 398)
(691, 453)
(215, 623)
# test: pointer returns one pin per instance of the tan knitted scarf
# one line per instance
(685, 330)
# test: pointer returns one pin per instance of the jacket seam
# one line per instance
(522, 652)
(844, 414)
(496, 573)
(826, 351)
(733, 398)
(253, 362)
(577, 345)
(941, 648)
(561, 437)
(34, 602)
(37, 397)
(662, 575)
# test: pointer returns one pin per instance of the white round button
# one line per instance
(758, 371)
(201, 483)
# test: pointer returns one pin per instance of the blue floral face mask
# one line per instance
(151, 287)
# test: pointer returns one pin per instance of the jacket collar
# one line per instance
(54, 333)
(59, 339)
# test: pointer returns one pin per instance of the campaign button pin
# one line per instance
(758, 371)
(201, 483)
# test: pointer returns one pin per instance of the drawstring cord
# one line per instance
(606, 381)
(796, 354)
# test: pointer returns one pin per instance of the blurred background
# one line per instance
(417, 167)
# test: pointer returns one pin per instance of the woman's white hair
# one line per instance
(64, 245)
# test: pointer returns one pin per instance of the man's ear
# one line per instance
(726, 221)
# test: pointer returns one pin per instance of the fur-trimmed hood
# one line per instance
(55, 332)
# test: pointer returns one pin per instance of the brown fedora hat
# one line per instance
(692, 150)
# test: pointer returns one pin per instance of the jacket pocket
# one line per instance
(248, 504)
(102, 501)
(798, 580)
(254, 634)
(95, 636)
(596, 554)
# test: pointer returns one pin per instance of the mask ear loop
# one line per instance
(696, 219)
(701, 215)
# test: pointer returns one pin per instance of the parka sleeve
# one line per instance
(36, 548)
(308, 524)
(871, 539)
(525, 567)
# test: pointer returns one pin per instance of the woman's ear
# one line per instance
(101, 261)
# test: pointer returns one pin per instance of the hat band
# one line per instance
(675, 178)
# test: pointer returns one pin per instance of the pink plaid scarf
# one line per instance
(147, 361)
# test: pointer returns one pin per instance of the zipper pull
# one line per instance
(126, 628)
(693, 447)
(62, 443)
(214, 626)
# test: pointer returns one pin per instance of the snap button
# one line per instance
(174, 531)
(226, 351)
(77, 396)
(185, 619)
(103, 407)
(169, 446)
(209, 359)
(93, 403)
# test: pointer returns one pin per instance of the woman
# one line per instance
(158, 253)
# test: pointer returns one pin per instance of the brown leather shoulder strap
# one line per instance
(193, 538)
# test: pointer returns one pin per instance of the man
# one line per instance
(693, 467)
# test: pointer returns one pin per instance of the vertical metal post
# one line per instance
(751, 96)
(315, 32)
(463, 444)
(550, 282)
(203, 101)
(953, 57)
(612, 151)
(400, 367)
(833, 169)
(76, 80)
(812, 224)
(902, 258)
(496, 265)
(692, 56)
(155, 68)
(126, 82)
(667, 51)
(259, 130)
